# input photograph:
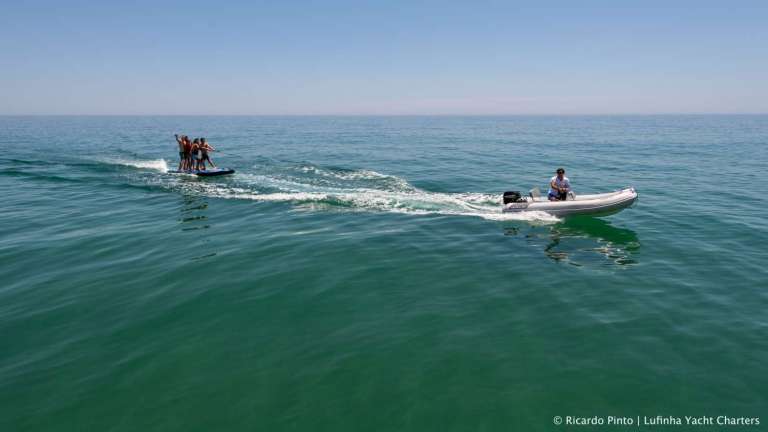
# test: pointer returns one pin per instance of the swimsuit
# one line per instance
(560, 196)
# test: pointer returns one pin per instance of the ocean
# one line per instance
(357, 274)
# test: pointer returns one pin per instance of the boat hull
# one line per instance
(594, 205)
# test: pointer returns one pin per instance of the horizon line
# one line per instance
(388, 115)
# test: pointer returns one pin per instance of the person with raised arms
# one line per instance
(182, 155)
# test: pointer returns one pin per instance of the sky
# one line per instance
(396, 57)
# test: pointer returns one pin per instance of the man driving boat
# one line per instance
(559, 186)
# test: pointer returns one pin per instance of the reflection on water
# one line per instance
(581, 241)
(193, 217)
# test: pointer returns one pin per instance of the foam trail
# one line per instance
(417, 203)
(157, 164)
(353, 175)
(362, 190)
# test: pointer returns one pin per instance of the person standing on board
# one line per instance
(194, 163)
(182, 153)
(559, 186)
(187, 153)
(206, 148)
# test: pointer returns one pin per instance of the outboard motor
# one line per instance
(512, 197)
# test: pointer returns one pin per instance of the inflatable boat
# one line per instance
(595, 204)
(205, 173)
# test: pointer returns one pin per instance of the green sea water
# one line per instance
(356, 274)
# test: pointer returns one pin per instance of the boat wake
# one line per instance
(154, 165)
(314, 188)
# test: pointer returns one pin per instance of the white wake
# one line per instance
(378, 192)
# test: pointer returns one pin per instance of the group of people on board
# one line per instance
(193, 154)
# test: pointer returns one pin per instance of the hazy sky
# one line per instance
(385, 57)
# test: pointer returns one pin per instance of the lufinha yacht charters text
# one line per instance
(658, 420)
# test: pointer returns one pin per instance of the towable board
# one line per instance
(205, 173)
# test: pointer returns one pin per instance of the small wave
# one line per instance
(32, 175)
